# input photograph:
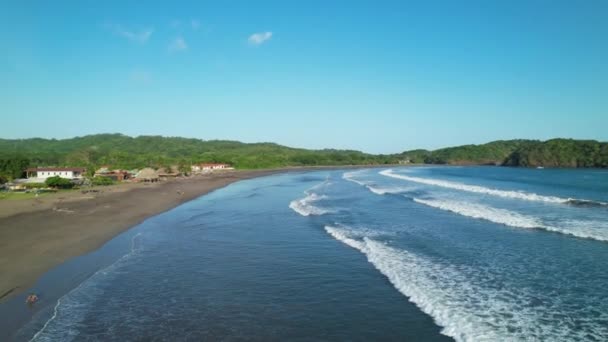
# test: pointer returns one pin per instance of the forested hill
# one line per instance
(121, 151)
(525, 153)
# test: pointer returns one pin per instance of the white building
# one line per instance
(206, 167)
(63, 172)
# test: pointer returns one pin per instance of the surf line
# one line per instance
(521, 195)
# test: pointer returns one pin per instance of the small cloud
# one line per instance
(178, 44)
(195, 24)
(259, 38)
(140, 37)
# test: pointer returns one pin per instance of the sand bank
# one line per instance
(40, 233)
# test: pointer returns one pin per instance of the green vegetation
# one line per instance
(124, 152)
(561, 153)
(525, 153)
(100, 180)
(59, 183)
(17, 195)
(35, 185)
(493, 153)
(12, 164)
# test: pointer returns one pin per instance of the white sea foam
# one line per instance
(480, 211)
(381, 190)
(459, 300)
(584, 229)
(72, 307)
(305, 206)
(350, 176)
(477, 189)
(377, 189)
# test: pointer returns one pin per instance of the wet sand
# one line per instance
(40, 233)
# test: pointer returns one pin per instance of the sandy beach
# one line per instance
(40, 233)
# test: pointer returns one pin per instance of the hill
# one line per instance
(125, 152)
(524, 153)
(121, 151)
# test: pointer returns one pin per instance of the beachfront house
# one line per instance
(206, 167)
(43, 173)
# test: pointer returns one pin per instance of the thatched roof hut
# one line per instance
(147, 175)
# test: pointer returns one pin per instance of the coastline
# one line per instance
(37, 235)
(42, 234)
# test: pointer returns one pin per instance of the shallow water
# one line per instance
(471, 253)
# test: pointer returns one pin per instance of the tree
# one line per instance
(184, 169)
(101, 180)
(14, 166)
(59, 183)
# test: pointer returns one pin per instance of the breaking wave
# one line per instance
(582, 229)
(350, 176)
(494, 192)
(586, 203)
(305, 206)
(458, 299)
(379, 190)
(479, 211)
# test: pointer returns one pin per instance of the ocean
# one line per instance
(404, 253)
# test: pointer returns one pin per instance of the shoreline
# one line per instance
(37, 235)
(41, 236)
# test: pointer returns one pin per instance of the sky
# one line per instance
(377, 76)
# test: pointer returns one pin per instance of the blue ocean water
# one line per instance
(417, 253)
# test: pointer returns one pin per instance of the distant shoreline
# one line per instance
(40, 234)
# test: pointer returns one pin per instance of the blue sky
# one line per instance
(377, 76)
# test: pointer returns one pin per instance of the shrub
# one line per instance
(58, 182)
(101, 180)
(34, 185)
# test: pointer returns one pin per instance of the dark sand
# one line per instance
(38, 234)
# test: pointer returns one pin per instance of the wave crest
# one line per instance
(583, 229)
(305, 206)
(378, 190)
(476, 188)
(457, 298)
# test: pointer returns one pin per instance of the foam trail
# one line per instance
(477, 189)
(305, 206)
(378, 190)
(582, 229)
(349, 176)
(62, 330)
(479, 211)
(387, 190)
(458, 299)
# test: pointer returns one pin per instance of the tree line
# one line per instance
(124, 152)
(522, 153)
